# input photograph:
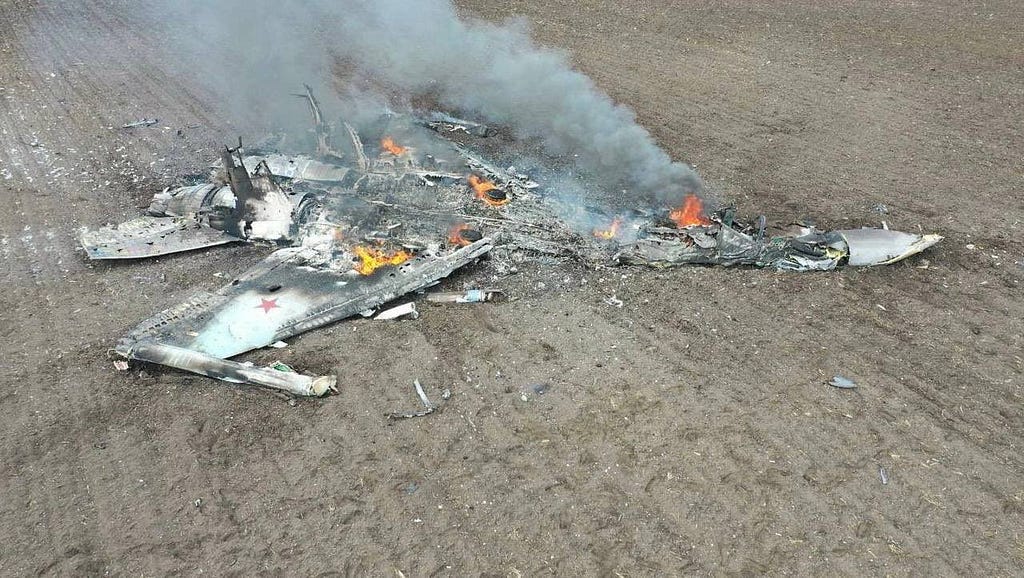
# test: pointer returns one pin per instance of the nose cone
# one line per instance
(883, 247)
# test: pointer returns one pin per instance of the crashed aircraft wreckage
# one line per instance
(366, 224)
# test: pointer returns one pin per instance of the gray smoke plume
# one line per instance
(423, 48)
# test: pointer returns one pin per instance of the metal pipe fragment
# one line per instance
(231, 371)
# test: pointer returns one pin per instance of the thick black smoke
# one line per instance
(421, 47)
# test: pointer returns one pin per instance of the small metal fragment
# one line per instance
(883, 475)
(470, 296)
(121, 365)
(614, 301)
(422, 394)
(423, 398)
(406, 310)
(143, 122)
(842, 382)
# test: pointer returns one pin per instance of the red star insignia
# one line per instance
(267, 304)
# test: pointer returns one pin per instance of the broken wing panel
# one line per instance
(151, 237)
(285, 296)
(300, 167)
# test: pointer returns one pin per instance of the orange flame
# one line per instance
(690, 214)
(372, 259)
(481, 186)
(611, 232)
(454, 236)
(389, 144)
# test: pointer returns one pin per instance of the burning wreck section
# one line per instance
(392, 209)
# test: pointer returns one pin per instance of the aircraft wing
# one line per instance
(150, 237)
(283, 296)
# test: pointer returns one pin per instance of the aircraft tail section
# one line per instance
(262, 210)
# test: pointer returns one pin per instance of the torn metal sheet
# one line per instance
(151, 237)
(300, 167)
(842, 382)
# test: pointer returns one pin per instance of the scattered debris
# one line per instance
(470, 296)
(614, 301)
(140, 123)
(407, 310)
(325, 268)
(278, 345)
(423, 398)
(121, 365)
(442, 122)
(883, 475)
(881, 209)
(842, 382)
(539, 388)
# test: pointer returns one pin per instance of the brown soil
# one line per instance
(689, 431)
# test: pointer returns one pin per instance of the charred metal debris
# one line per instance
(391, 209)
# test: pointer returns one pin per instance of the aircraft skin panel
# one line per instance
(283, 297)
(883, 247)
(151, 237)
